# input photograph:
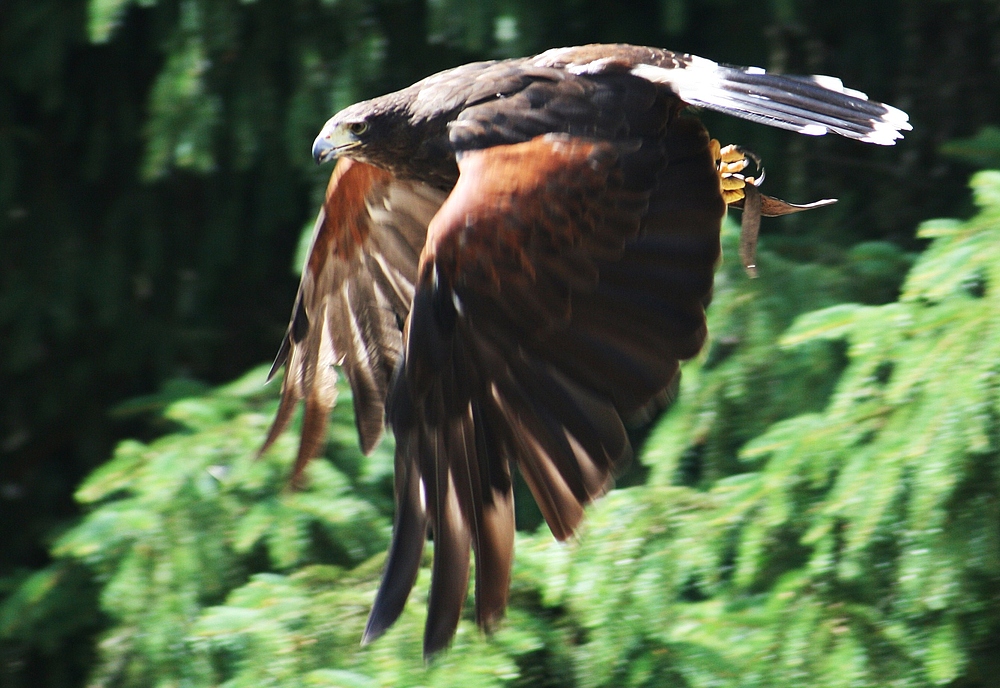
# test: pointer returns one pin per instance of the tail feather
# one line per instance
(809, 105)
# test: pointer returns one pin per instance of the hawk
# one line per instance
(511, 261)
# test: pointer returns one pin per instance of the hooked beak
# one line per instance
(332, 142)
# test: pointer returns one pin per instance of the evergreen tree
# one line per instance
(853, 542)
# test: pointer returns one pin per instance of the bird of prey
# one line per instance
(511, 261)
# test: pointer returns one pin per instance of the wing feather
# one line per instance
(408, 533)
(527, 344)
(357, 284)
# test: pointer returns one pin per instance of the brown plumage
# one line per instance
(511, 261)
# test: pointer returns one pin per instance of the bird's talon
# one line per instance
(732, 183)
(731, 153)
(732, 167)
(730, 161)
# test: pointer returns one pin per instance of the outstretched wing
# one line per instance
(562, 282)
(356, 289)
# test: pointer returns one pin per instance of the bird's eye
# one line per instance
(358, 128)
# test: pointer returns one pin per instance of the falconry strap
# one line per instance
(742, 192)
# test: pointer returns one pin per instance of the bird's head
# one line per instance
(348, 130)
(391, 132)
(369, 131)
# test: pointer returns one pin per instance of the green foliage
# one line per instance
(847, 535)
(855, 545)
(980, 150)
(105, 17)
(184, 116)
(212, 571)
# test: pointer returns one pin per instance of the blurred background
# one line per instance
(821, 507)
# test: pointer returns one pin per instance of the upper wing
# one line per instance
(356, 289)
(561, 283)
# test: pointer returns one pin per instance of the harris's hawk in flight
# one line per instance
(511, 261)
